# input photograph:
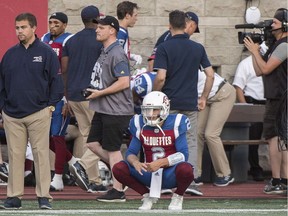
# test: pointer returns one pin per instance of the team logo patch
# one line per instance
(37, 59)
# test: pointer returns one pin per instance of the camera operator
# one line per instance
(273, 68)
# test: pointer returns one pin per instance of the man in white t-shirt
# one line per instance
(249, 89)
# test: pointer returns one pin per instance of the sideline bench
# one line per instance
(235, 138)
(244, 142)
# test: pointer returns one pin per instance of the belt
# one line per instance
(250, 99)
(221, 85)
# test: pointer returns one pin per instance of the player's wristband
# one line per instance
(175, 158)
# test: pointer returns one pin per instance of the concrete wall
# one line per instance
(217, 21)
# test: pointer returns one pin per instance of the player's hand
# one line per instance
(140, 167)
(136, 58)
(155, 165)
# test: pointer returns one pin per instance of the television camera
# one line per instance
(264, 35)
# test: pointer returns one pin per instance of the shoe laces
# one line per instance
(226, 178)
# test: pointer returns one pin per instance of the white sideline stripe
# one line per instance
(158, 211)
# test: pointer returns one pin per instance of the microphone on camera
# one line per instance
(264, 24)
(249, 25)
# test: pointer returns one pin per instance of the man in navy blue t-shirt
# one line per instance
(177, 62)
(78, 59)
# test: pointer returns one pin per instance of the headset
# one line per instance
(285, 20)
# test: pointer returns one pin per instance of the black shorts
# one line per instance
(108, 130)
(269, 124)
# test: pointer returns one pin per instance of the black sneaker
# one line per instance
(93, 188)
(11, 203)
(193, 190)
(198, 181)
(4, 172)
(44, 203)
(112, 195)
(273, 189)
(223, 181)
(69, 179)
(80, 174)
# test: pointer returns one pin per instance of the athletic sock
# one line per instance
(283, 181)
(275, 181)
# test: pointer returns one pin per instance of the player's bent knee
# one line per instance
(184, 170)
(120, 168)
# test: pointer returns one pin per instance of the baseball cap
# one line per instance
(192, 16)
(90, 13)
(59, 16)
(109, 20)
(281, 15)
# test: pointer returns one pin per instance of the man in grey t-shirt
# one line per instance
(111, 99)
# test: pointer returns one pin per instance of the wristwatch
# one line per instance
(52, 108)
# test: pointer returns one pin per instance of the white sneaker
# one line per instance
(147, 202)
(176, 202)
(57, 183)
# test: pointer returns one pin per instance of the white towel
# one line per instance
(156, 183)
